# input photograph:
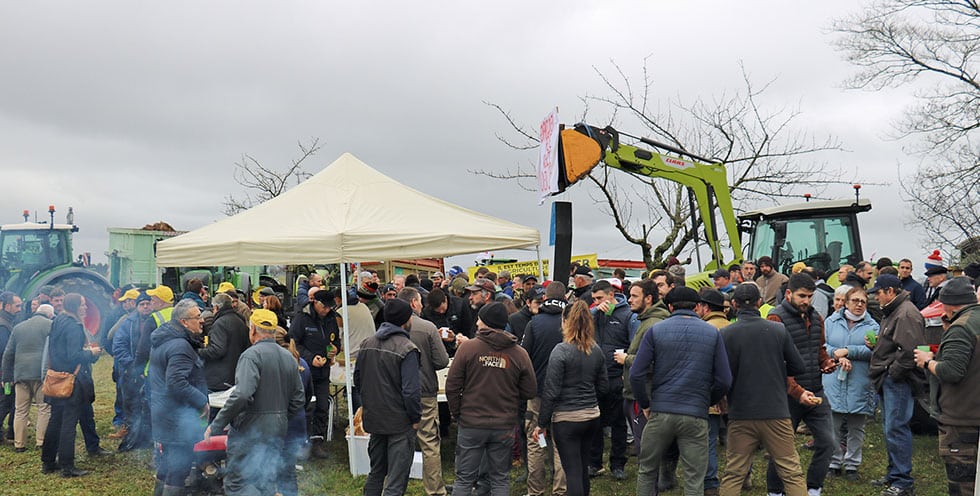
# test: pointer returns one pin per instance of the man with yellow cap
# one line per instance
(126, 306)
(268, 392)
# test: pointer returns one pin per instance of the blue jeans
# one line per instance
(711, 476)
(896, 406)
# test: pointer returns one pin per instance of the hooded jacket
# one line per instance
(541, 336)
(488, 380)
(612, 332)
(387, 375)
(653, 314)
(227, 340)
(178, 388)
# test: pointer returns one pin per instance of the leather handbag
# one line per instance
(59, 384)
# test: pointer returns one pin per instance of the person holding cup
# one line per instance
(956, 370)
(892, 371)
(849, 390)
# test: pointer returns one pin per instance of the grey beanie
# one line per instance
(958, 291)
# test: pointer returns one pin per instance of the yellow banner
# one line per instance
(531, 266)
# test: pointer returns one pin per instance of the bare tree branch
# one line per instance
(263, 183)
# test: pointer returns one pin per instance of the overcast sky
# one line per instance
(134, 113)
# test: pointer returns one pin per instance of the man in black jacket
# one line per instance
(761, 355)
(318, 340)
(541, 336)
(268, 392)
(518, 321)
(226, 341)
(392, 406)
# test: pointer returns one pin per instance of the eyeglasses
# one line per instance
(858, 301)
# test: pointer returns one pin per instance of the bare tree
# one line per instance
(263, 183)
(766, 157)
(932, 45)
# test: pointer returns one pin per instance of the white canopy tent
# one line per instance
(346, 213)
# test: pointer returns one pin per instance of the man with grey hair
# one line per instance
(226, 341)
(178, 396)
(22, 367)
(268, 392)
(432, 357)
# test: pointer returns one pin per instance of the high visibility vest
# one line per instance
(159, 317)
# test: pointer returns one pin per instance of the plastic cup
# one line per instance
(620, 350)
(611, 309)
(923, 348)
(872, 337)
(445, 332)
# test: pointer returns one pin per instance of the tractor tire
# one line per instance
(97, 299)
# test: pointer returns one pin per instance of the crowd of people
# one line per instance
(539, 376)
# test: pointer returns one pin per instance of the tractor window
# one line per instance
(822, 243)
(34, 249)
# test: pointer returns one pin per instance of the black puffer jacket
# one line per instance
(226, 342)
(806, 329)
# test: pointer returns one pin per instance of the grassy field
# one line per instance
(128, 474)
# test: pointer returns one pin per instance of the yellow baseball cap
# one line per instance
(163, 292)
(226, 287)
(264, 319)
(130, 294)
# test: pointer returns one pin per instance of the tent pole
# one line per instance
(537, 249)
(349, 375)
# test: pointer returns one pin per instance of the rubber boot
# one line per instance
(158, 488)
(668, 476)
(173, 491)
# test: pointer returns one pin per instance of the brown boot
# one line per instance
(319, 450)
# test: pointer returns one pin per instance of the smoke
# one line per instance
(257, 456)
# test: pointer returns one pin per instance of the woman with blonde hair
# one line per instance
(569, 406)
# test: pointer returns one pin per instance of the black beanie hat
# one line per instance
(397, 312)
(494, 315)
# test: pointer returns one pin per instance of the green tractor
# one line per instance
(35, 254)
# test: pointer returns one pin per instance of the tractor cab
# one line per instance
(29, 248)
(822, 234)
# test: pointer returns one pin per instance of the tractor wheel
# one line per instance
(97, 299)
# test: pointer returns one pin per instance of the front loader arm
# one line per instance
(708, 182)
